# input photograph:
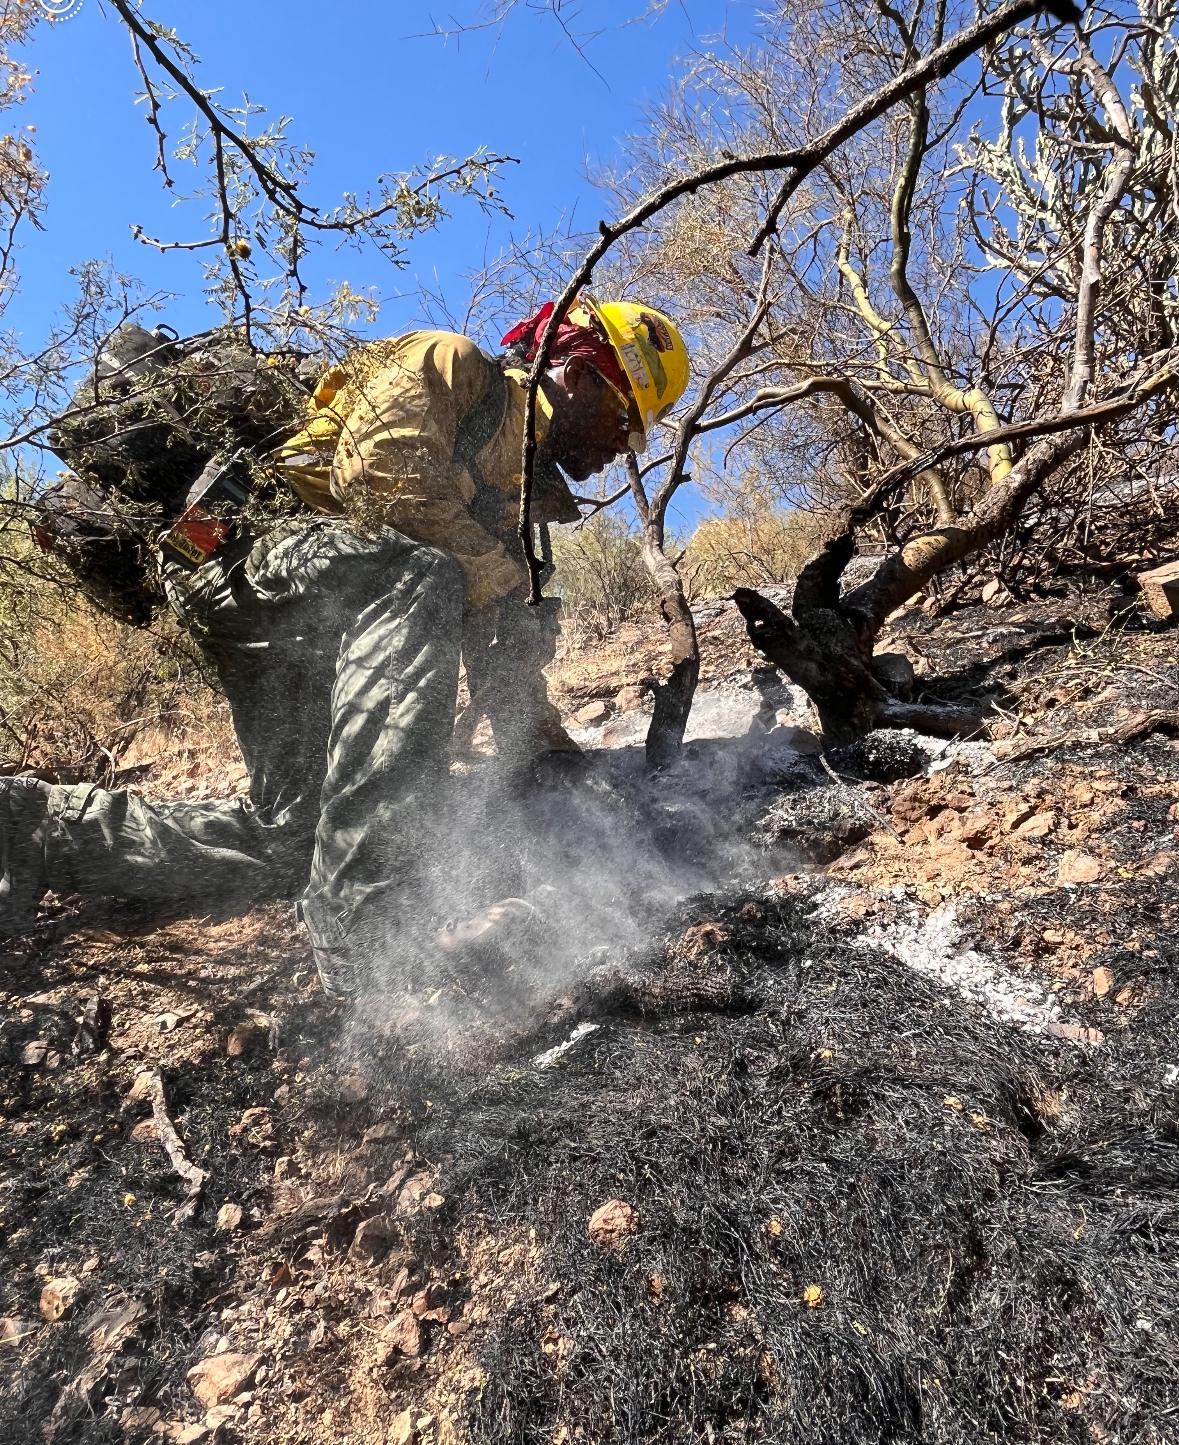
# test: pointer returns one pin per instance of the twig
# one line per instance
(1138, 726)
(149, 1086)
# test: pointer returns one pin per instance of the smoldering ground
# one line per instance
(538, 887)
(869, 1202)
(869, 1194)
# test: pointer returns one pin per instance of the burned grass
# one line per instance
(787, 1187)
(863, 1213)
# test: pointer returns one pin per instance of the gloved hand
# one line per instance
(491, 577)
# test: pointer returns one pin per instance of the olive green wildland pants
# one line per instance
(339, 654)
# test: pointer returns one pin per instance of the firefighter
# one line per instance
(337, 636)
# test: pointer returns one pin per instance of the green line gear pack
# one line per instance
(161, 439)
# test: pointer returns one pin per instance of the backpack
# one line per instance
(154, 414)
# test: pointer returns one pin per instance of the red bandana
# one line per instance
(570, 340)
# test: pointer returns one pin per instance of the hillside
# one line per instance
(822, 1100)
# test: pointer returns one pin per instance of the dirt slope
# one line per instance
(876, 1139)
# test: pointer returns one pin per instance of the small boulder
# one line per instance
(382, 1133)
(58, 1297)
(1039, 825)
(612, 1224)
(221, 1377)
(402, 1336)
(630, 698)
(248, 1035)
(1076, 867)
(894, 671)
(373, 1239)
(229, 1218)
(592, 713)
(255, 1123)
(403, 1431)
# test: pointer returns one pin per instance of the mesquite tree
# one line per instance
(961, 294)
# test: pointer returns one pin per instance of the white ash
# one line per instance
(931, 947)
(550, 1056)
(973, 756)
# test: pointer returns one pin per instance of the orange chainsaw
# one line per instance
(211, 510)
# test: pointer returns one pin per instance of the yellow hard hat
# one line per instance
(650, 350)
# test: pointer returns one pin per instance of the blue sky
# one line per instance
(366, 96)
(370, 89)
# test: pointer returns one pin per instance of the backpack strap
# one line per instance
(475, 429)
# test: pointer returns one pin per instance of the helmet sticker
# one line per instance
(651, 359)
(658, 330)
(636, 365)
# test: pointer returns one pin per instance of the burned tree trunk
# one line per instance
(826, 648)
(824, 656)
(826, 645)
(673, 697)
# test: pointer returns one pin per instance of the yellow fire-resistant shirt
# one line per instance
(381, 441)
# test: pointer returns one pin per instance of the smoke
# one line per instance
(534, 883)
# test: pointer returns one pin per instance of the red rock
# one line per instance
(1102, 981)
(1076, 867)
(592, 713)
(1038, 826)
(402, 1431)
(976, 828)
(612, 1224)
(402, 1336)
(247, 1035)
(1016, 815)
(221, 1377)
(627, 699)
(373, 1239)
(58, 1297)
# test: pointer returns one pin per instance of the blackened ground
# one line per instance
(865, 1213)
(864, 1207)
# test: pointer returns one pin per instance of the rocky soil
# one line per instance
(863, 1127)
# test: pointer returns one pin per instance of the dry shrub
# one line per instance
(763, 548)
(77, 688)
(600, 576)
